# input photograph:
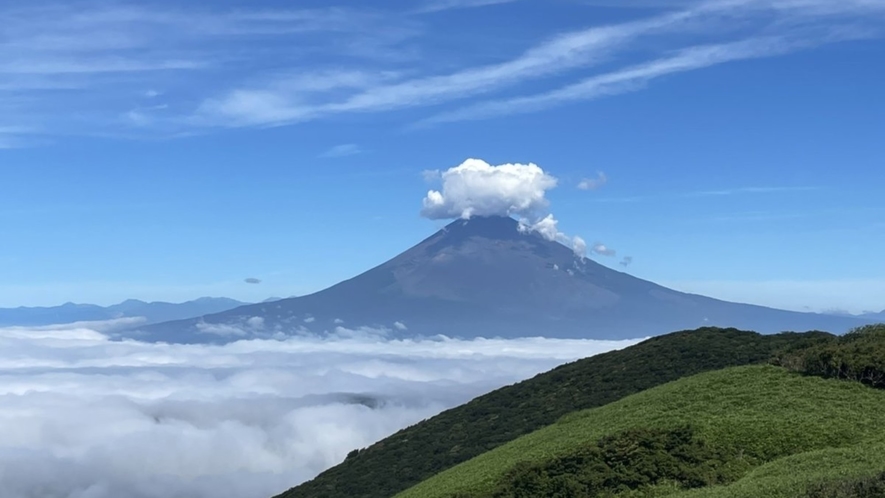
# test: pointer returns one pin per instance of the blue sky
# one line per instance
(170, 150)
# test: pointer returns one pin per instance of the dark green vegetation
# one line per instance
(798, 475)
(855, 487)
(457, 435)
(745, 417)
(858, 355)
(626, 461)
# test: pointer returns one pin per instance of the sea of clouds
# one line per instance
(82, 416)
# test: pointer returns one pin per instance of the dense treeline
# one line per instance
(858, 355)
(454, 436)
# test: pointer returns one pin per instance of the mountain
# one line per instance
(461, 433)
(152, 312)
(486, 277)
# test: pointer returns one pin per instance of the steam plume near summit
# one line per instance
(477, 188)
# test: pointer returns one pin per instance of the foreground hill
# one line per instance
(487, 277)
(152, 312)
(456, 435)
(709, 430)
(728, 433)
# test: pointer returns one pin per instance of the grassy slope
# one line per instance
(454, 436)
(789, 477)
(764, 410)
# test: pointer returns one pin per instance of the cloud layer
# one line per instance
(85, 417)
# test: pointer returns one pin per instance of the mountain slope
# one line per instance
(152, 312)
(748, 415)
(813, 474)
(486, 277)
(456, 435)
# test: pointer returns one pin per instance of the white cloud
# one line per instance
(342, 150)
(442, 5)
(603, 250)
(476, 188)
(431, 175)
(593, 183)
(65, 328)
(88, 417)
(579, 246)
(547, 228)
(400, 326)
(221, 329)
(635, 77)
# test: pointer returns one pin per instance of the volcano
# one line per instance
(485, 277)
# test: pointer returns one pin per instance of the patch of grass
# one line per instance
(761, 412)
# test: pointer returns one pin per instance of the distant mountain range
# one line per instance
(488, 277)
(151, 312)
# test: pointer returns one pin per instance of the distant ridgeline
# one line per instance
(710, 412)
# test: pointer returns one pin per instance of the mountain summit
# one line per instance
(486, 276)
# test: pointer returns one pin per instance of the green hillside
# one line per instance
(457, 435)
(722, 428)
(828, 473)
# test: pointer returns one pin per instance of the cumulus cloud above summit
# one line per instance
(87, 417)
(476, 188)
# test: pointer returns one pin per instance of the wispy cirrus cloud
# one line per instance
(342, 150)
(778, 28)
(14, 137)
(593, 183)
(91, 70)
(736, 191)
(750, 190)
(87, 68)
(443, 5)
(634, 78)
